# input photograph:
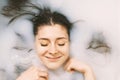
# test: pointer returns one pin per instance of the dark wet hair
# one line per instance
(13, 7)
(45, 16)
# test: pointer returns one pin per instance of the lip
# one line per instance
(53, 59)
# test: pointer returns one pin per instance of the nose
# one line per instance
(53, 49)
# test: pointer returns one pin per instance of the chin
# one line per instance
(53, 66)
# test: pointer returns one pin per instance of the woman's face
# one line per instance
(52, 45)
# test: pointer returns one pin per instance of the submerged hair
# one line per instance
(45, 16)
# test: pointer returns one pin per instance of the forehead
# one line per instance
(55, 30)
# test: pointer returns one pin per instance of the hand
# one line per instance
(75, 65)
(33, 73)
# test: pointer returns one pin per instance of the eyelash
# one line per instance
(47, 44)
(44, 45)
(61, 44)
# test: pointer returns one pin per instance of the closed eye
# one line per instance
(44, 45)
(61, 44)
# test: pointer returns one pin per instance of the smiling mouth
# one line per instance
(53, 59)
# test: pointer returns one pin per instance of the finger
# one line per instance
(31, 69)
(67, 63)
(42, 78)
(70, 69)
(43, 73)
(38, 70)
(69, 66)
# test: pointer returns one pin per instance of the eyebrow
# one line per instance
(43, 39)
(61, 38)
(48, 39)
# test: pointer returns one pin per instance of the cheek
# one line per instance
(65, 50)
(40, 50)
